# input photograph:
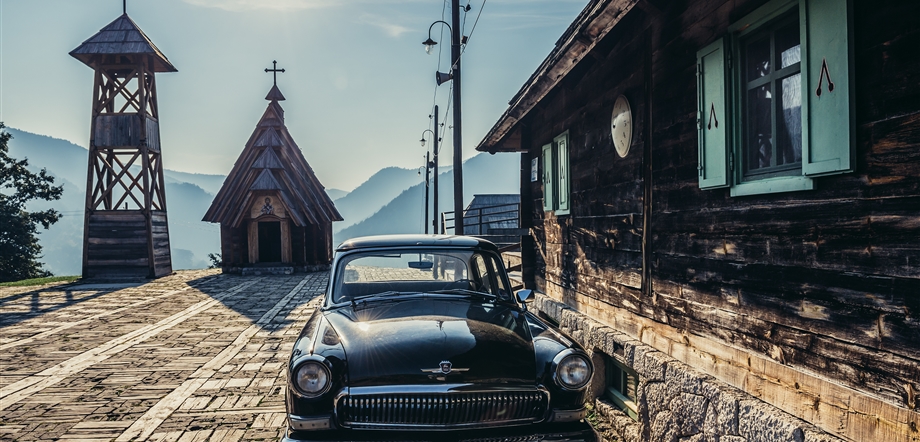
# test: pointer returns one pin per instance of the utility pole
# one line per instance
(427, 177)
(458, 157)
(436, 215)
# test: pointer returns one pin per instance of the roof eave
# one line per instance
(592, 25)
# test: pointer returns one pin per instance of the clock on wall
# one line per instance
(621, 126)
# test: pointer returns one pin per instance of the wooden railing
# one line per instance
(482, 217)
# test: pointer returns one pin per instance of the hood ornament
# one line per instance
(445, 368)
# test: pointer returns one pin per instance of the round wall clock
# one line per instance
(621, 126)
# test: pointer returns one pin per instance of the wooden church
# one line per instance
(273, 211)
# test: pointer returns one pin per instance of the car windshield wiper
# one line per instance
(387, 296)
(466, 292)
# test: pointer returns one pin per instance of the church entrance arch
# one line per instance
(269, 241)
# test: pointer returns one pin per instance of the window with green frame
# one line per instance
(556, 175)
(622, 386)
(775, 99)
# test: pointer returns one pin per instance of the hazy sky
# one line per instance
(358, 83)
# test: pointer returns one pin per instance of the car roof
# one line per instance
(368, 242)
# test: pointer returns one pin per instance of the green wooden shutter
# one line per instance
(562, 162)
(829, 124)
(548, 183)
(712, 117)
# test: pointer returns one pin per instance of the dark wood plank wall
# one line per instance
(827, 280)
(310, 245)
(162, 258)
(117, 244)
(234, 246)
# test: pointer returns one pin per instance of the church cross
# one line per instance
(274, 70)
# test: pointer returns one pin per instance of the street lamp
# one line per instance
(454, 76)
(423, 136)
(429, 44)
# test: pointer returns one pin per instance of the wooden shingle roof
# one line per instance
(121, 37)
(271, 161)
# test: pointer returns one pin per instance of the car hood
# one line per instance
(407, 340)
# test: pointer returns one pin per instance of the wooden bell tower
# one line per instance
(125, 226)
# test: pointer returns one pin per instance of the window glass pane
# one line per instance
(616, 378)
(503, 289)
(482, 278)
(757, 59)
(375, 272)
(760, 128)
(631, 384)
(789, 121)
(788, 50)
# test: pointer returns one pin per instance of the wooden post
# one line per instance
(253, 242)
(286, 241)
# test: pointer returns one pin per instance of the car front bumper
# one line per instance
(547, 432)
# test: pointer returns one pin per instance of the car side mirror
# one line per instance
(524, 296)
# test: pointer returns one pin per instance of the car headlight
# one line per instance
(573, 370)
(312, 378)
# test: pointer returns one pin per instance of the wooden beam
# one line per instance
(286, 241)
(253, 242)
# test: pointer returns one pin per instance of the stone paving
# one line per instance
(195, 356)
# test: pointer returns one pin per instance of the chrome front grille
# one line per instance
(440, 410)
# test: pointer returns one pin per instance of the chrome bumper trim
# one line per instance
(302, 423)
(568, 415)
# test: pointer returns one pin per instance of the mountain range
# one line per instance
(390, 201)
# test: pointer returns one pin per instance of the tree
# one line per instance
(19, 248)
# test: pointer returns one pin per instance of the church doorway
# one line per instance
(270, 241)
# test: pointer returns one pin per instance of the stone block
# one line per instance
(759, 422)
(681, 377)
(723, 408)
(623, 427)
(689, 413)
(651, 363)
(661, 426)
(629, 352)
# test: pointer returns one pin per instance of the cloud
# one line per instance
(391, 29)
(248, 5)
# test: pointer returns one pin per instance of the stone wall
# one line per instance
(676, 402)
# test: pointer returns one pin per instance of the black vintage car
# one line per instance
(422, 332)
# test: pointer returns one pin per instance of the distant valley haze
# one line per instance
(360, 92)
(389, 201)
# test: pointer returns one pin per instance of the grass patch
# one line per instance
(40, 281)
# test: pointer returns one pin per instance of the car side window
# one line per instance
(482, 275)
(503, 289)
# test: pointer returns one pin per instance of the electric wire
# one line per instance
(440, 132)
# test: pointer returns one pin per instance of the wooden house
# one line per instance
(272, 210)
(723, 199)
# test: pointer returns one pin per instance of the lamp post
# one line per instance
(434, 165)
(455, 77)
(427, 177)
(427, 168)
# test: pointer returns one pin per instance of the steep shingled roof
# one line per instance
(121, 37)
(271, 160)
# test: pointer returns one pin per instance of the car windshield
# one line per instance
(465, 272)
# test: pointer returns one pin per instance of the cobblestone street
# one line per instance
(194, 356)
